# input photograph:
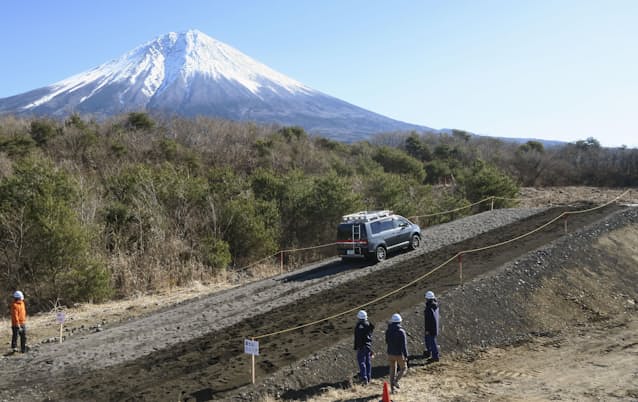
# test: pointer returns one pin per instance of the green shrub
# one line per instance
(215, 253)
(18, 145)
(46, 249)
(396, 161)
(486, 180)
(140, 121)
(42, 131)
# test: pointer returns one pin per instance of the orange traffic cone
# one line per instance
(386, 392)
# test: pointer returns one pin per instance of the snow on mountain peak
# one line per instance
(156, 65)
(205, 55)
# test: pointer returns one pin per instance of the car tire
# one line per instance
(380, 254)
(415, 242)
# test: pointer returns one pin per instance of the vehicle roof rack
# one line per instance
(365, 216)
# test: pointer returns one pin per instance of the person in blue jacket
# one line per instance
(363, 346)
(397, 341)
(431, 314)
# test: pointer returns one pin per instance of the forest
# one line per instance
(91, 211)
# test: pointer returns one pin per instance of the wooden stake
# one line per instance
(566, 224)
(253, 363)
(461, 269)
(281, 262)
(492, 206)
(61, 325)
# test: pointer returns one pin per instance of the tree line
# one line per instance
(94, 210)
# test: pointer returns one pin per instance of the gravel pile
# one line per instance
(470, 226)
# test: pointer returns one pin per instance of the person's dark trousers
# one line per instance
(365, 367)
(430, 343)
(22, 332)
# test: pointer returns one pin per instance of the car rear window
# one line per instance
(344, 231)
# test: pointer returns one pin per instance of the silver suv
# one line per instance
(371, 234)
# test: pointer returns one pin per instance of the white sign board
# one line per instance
(60, 317)
(251, 347)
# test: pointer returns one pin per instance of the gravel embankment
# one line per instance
(568, 282)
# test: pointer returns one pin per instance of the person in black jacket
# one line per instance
(431, 314)
(397, 340)
(363, 346)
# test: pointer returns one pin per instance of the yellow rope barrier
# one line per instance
(244, 268)
(519, 198)
(451, 210)
(543, 226)
(307, 248)
(436, 269)
(256, 262)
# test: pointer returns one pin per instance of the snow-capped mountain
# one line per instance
(190, 74)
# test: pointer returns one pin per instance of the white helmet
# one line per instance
(396, 318)
(18, 295)
(362, 315)
(429, 295)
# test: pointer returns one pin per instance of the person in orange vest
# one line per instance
(18, 322)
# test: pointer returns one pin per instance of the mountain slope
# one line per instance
(190, 74)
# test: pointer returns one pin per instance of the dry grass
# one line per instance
(43, 326)
(543, 196)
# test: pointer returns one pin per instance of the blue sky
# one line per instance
(563, 70)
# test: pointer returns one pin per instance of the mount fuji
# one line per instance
(192, 74)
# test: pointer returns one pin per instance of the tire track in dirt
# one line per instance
(214, 364)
